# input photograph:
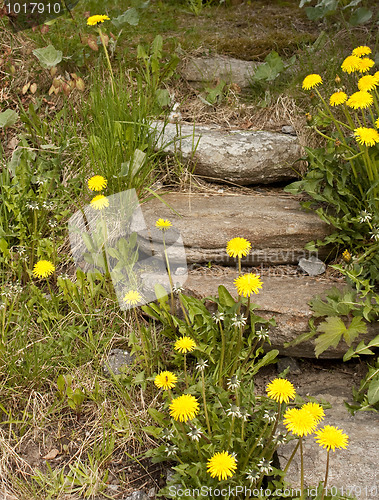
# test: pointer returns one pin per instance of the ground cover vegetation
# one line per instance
(78, 97)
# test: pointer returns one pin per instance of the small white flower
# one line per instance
(52, 223)
(64, 276)
(177, 288)
(33, 205)
(202, 365)
(253, 475)
(269, 415)
(238, 320)
(262, 334)
(365, 217)
(280, 438)
(48, 205)
(218, 316)
(2, 305)
(374, 234)
(171, 449)
(244, 413)
(265, 466)
(167, 434)
(194, 433)
(21, 250)
(233, 411)
(233, 383)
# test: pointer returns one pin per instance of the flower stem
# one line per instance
(205, 403)
(301, 467)
(108, 60)
(326, 476)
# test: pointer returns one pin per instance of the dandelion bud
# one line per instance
(337, 80)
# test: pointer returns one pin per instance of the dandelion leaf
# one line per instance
(48, 56)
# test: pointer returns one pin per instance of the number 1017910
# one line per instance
(33, 8)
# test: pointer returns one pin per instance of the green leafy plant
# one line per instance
(322, 9)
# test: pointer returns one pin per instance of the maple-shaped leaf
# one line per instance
(333, 328)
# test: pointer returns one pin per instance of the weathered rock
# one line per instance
(242, 157)
(353, 470)
(312, 266)
(275, 225)
(288, 362)
(286, 299)
(216, 68)
(137, 495)
(117, 360)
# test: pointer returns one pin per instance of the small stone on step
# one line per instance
(312, 266)
(288, 129)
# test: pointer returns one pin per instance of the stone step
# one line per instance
(199, 70)
(283, 297)
(242, 157)
(276, 226)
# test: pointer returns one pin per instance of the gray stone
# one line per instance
(354, 468)
(151, 493)
(207, 69)
(276, 226)
(312, 266)
(137, 495)
(242, 157)
(286, 299)
(288, 129)
(287, 362)
(116, 361)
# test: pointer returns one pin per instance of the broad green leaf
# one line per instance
(163, 97)
(270, 69)
(8, 118)
(356, 327)
(321, 308)
(333, 328)
(153, 431)
(373, 391)
(225, 298)
(157, 416)
(130, 16)
(360, 16)
(48, 56)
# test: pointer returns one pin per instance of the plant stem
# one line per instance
(301, 467)
(326, 476)
(220, 380)
(108, 60)
(205, 403)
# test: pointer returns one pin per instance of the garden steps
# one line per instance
(283, 297)
(274, 223)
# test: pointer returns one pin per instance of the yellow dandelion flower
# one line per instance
(376, 76)
(99, 202)
(350, 64)
(185, 344)
(365, 64)
(247, 284)
(337, 98)
(366, 136)
(331, 437)
(368, 82)
(315, 410)
(299, 421)
(184, 408)
(238, 247)
(97, 183)
(43, 269)
(94, 20)
(165, 380)
(346, 256)
(280, 390)
(360, 100)
(377, 123)
(311, 81)
(222, 465)
(163, 224)
(132, 297)
(362, 50)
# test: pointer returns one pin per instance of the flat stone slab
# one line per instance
(207, 69)
(284, 297)
(353, 470)
(242, 157)
(276, 226)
